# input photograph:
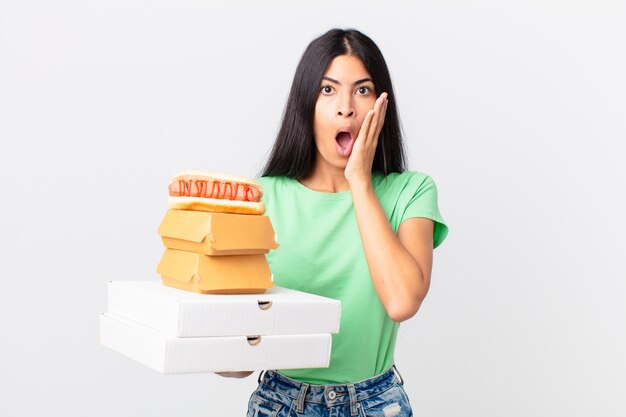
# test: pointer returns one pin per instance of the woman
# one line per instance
(353, 225)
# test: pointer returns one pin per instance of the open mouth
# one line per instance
(344, 143)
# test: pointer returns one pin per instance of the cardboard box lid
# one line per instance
(171, 355)
(216, 272)
(185, 314)
(224, 231)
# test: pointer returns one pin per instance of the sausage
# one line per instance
(218, 189)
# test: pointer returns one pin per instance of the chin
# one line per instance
(330, 158)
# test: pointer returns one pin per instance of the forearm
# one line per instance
(397, 277)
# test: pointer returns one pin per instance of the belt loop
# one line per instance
(301, 396)
(353, 403)
(261, 374)
(398, 373)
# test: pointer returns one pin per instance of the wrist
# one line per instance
(361, 185)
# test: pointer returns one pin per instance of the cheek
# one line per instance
(367, 105)
(363, 108)
(323, 112)
(323, 118)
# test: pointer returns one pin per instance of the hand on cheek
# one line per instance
(359, 167)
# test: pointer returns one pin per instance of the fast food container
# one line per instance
(185, 314)
(217, 233)
(171, 355)
(236, 274)
(177, 332)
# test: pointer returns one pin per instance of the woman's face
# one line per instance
(345, 96)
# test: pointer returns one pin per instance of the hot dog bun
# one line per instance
(216, 176)
(208, 191)
(214, 204)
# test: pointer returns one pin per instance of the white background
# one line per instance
(517, 110)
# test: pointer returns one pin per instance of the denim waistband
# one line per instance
(330, 394)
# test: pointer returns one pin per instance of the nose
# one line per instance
(344, 108)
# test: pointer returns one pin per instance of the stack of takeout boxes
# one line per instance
(216, 253)
(218, 310)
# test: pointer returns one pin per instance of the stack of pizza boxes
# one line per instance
(219, 310)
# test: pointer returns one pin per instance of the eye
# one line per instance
(363, 90)
(326, 89)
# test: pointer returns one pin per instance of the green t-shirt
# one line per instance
(321, 253)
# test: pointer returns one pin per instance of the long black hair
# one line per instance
(294, 151)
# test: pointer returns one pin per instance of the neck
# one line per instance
(326, 179)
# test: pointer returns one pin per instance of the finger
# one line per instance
(376, 122)
(371, 132)
(380, 101)
(365, 128)
(383, 107)
(377, 125)
(381, 117)
(379, 109)
(384, 112)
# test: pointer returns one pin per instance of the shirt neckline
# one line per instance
(321, 195)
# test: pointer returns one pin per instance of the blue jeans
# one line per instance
(380, 396)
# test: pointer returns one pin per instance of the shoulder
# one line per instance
(272, 182)
(407, 182)
(416, 195)
(274, 186)
(402, 177)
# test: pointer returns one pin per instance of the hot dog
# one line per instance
(205, 191)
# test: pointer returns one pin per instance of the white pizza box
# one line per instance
(178, 355)
(183, 313)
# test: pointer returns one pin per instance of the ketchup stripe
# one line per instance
(219, 189)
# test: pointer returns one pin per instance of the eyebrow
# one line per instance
(361, 81)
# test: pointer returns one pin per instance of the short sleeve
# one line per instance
(424, 203)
